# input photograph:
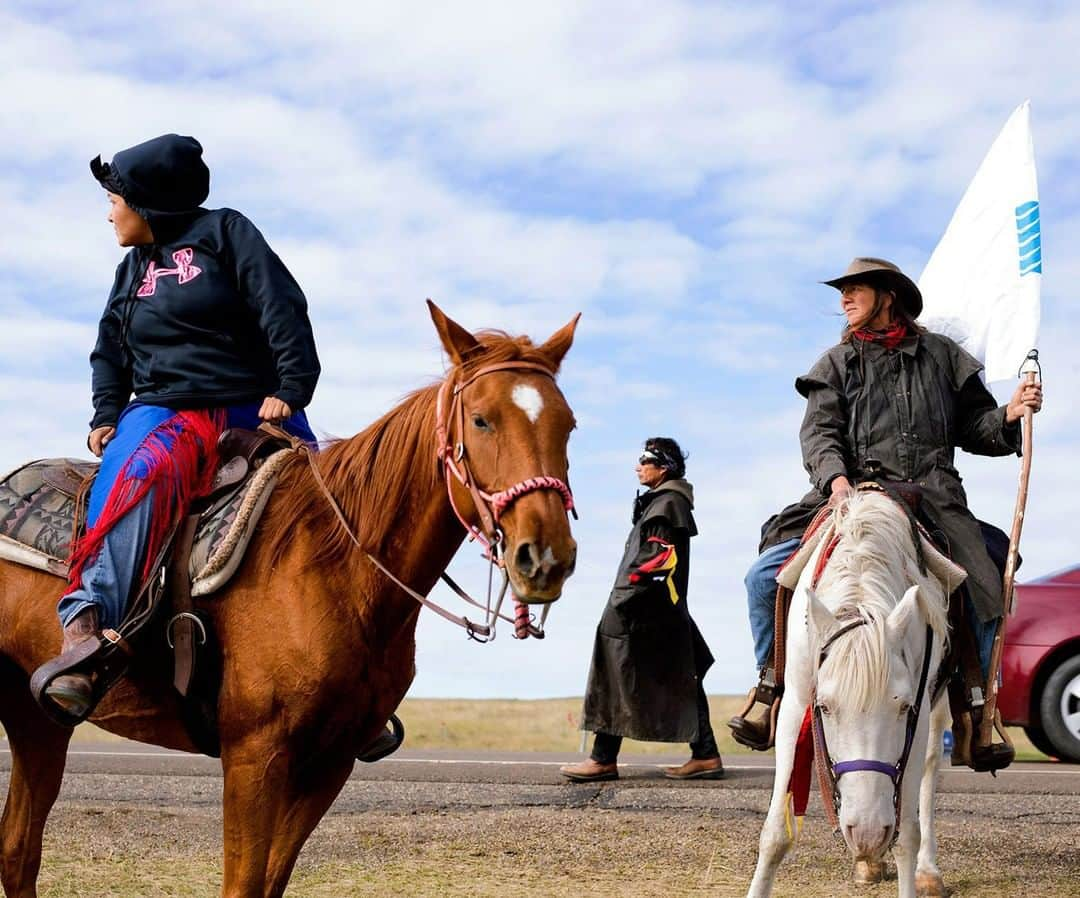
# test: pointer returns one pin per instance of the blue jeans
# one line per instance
(761, 596)
(108, 580)
(983, 634)
(760, 583)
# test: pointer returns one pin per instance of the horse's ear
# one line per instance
(902, 615)
(457, 341)
(559, 343)
(821, 619)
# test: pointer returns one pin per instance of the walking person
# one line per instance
(649, 658)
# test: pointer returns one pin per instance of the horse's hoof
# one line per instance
(868, 873)
(930, 885)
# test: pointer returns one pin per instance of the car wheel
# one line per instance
(1037, 737)
(1059, 709)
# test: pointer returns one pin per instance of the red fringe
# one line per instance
(179, 458)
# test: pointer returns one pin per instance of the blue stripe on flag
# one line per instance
(1028, 246)
(1031, 229)
(1029, 237)
(1023, 219)
(1032, 264)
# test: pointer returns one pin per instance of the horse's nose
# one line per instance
(527, 559)
(540, 568)
(868, 840)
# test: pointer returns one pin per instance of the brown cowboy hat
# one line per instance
(882, 273)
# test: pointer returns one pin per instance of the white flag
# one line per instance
(981, 286)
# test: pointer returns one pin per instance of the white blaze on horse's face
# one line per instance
(527, 398)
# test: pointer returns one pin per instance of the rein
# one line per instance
(829, 771)
(490, 507)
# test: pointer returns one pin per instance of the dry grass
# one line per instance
(547, 725)
(531, 853)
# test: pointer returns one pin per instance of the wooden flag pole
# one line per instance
(1028, 371)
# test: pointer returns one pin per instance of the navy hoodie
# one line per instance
(208, 315)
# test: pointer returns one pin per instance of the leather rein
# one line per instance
(829, 771)
(490, 507)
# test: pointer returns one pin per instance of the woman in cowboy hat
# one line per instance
(208, 329)
(889, 402)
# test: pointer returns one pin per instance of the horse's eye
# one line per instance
(824, 709)
(905, 707)
(480, 423)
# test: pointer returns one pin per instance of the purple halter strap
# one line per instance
(842, 767)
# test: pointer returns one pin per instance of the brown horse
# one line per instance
(319, 646)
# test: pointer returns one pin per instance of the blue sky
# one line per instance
(682, 174)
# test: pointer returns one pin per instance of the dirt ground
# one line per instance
(428, 844)
(160, 837)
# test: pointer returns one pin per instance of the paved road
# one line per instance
(142, 774)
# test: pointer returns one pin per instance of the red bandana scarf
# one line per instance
(891, 337)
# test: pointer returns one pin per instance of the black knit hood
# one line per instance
(163, 178)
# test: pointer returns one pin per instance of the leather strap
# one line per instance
(181, 627)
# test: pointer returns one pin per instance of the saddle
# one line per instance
(42, 513)
(43, 509)
(769, 691)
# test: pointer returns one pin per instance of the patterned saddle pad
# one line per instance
(38, 511)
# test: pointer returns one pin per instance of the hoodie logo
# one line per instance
(184, 272)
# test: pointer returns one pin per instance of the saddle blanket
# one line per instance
(822, 530)
(40, 504)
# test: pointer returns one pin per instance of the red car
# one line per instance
(1041, 666)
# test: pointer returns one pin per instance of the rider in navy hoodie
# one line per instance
(224, 318)
(208, 329)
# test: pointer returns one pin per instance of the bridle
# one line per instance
(490, 507)
(829, 771)
(451, 457)
(450, 409)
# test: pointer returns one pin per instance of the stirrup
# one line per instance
(105, 656)
(386, 743)
(994, 756)
(759, 735)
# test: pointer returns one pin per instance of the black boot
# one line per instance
(74, 692)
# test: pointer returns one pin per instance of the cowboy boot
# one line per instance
(757, 729)
(74, 692)
(590, 771)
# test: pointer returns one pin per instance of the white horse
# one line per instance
(871, 621)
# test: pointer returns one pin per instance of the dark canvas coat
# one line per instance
(649, 654)
(908, 409)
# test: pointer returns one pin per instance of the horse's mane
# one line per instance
(369, 474)
(873, 565)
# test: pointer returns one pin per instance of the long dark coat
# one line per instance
(908, 409)
(649, 654)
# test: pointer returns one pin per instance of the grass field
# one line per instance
(548, 725)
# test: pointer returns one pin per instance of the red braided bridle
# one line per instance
(490, 507)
